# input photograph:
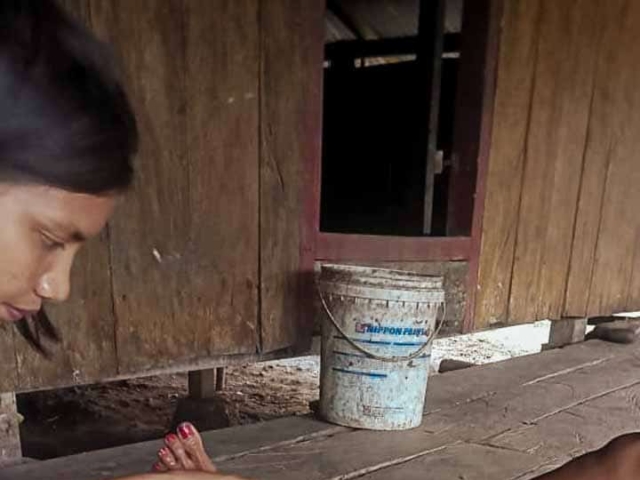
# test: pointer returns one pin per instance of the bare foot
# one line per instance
(184, 451)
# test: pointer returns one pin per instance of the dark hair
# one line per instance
(65, 120)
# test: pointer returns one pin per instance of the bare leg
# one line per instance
(619, 460)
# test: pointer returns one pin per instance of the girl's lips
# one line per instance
(16, 313)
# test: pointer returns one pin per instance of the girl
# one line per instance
(67, 138)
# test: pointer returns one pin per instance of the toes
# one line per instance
(179, 453)
(159, 467)
(192, 442)
(167, 459)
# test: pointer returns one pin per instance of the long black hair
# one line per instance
(65, 120)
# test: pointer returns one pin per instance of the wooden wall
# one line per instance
(561, 232)
(207, 258)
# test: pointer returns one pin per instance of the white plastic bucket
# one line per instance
(376, 345)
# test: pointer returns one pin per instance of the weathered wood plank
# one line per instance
(360, 452)
(138, 458)
(465, 461)
(565, 332)
(633, 295)
(518, 52)
(8, 362)
(468, 117)
(303, 448)
(532, 402)
(332, 457)
(619, 224)
(464, 386)
(291, 92)
(603, 120)
(222, 40)
(553, 158)
(86, 322)
(185, 252)
(355, 247)
(580, 429)
(149, 237)
(429, 60)
(10, 448)
(575, 77)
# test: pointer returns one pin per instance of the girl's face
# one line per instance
(41, 230)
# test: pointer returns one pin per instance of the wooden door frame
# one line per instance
(481, 40)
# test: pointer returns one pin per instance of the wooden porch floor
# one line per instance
(510, 420)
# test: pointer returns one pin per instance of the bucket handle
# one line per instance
(375, 356)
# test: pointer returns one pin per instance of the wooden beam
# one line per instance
(337, 246)
(491, 53)
(430, 42)
(205, 383)
(202, 384)
(10, 449)
(385, 47)
(221, 379)
(566, 331)
(470, 99)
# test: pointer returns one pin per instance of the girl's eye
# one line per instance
(50, 243)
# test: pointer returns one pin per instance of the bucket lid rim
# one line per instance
(362, 268)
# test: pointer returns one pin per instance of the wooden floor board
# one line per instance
(512, 420)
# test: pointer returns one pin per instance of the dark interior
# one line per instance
(374, 164)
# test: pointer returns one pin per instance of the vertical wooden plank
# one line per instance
(202, 384)
(468, 116)
(430, 43)
(222, 95)
(511, 112)
(491, 50)
(633, 293)
(542, 141)
(148, 236)
(86, 322)
(606, 101)
(555, 142)
(8, 362)
(10, 448)
(619, 224)
(185, 252)
(291, 92)
(578, 83)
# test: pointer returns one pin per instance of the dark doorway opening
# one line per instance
(390, 102)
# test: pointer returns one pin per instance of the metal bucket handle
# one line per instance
(375, 356)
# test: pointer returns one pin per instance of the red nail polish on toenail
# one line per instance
(185, 431)
(171, 438)
(163, 452)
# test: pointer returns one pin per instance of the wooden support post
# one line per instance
(202, 384)
(221, 379)
(205, 383)
(430, 45)
(566, 332)
(10, 450)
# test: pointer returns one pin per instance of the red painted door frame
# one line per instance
(480, 40)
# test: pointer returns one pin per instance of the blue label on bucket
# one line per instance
(391, 330)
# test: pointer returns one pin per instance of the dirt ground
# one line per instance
(73, 420)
